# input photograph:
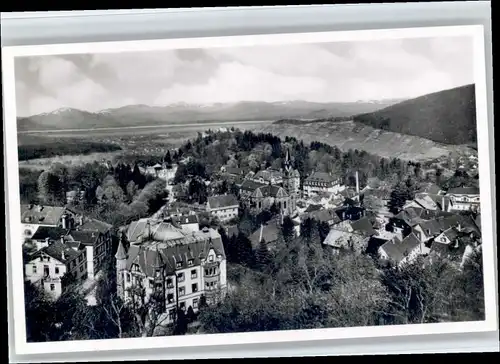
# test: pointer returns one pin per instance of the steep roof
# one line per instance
(150, 254)
(430, 188)
(270, 191)
(313, 207)
(186, 219)
(397, 250)
(321, 177)
(249, 185)
(268, 174)
(233, 170)
(222, 201)
(39, 214)
(324, 215)
(426, 201)
(58, 251)
(51, 232)
(156, 230)
(463, 191)
(383, 194)
(88, 238)
(451, 233)
(268, 233)
(363, 226)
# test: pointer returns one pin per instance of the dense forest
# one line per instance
(66, 147)
(447, 117)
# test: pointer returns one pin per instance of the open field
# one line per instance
(153, 140)
(351, 135)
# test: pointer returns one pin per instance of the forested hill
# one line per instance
(446, 117)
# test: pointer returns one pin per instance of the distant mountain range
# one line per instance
(142, 115)
(447, 116)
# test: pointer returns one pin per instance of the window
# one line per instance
(34, 269)
(170, 298)
(211, 258)
(151, 283)
(194, 287)
(180, 277)
(182, 291)
(81, 268)
(169, 283)
(194, 274)
(46, 270)
(171, 314)
(182, 305)
(190, 262)
(178, 264)
(52, 287)
(73, 263)
(128, 277)
(57, 270)
(27, 232)
(195, 303)
(284, 204)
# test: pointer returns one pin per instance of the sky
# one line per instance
(322, 72)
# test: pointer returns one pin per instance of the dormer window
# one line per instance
(211, 258)
(190, 262)
(178, 264)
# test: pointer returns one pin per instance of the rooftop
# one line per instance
(50, 232)
(321, 177)
(39, 214)
(222, 201)
(463, 191)
(59, 251)
(397, 250)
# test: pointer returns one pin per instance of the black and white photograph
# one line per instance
(200, 190)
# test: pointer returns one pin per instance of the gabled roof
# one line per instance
(269, 191)
(451, 233)
(268, 233)
(156, 230)
(152, 254)
(425, 201)
(233, 170)
(249, 185)
(313, 207)
(383, 194)
(88, 238)
(321, 177)
(51, 232)
(396, 250)
(186, 219)
(59, 251)
(222, 201)
(363, 226)
(324, 215)
(463, 191)
(39, 214)
(430, 188)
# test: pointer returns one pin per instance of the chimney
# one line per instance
(357, 183)
(62, 255)
(40, 208)
(80, 220)
(261, 231)
(64, 221)
(62, 239)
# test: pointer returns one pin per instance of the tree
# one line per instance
(398, 198)
(262, 258)
(168, 158)
(288, 229)
(50, 189)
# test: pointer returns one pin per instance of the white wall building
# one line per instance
(224, 207)
(320, 182)
(177, 266)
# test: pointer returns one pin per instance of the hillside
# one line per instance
(351, 135)
(137, 115)
(446, 117)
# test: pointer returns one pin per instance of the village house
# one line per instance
(161, 171)
(423, 201)
(461, 199)
(402, 251)
(248, 187)
(268, 176)
(224, 207)
(34, 216)
(232, 173)
(177, 266)
(349, 235)
(321, 182)
(328, 216)
(46, 267)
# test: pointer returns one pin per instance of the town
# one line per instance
(157, 244)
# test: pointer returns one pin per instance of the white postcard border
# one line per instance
(486, 185)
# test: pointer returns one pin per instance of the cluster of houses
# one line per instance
(59, 242)
(172, 256)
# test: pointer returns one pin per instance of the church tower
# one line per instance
(121, 267)
(291, 181)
